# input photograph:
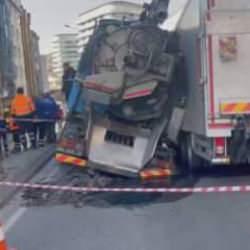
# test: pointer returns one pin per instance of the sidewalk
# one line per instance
(21, 168)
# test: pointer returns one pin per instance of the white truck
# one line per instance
(214, 36)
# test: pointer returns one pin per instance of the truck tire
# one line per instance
(189, 159)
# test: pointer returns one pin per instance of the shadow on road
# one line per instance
(224, 171)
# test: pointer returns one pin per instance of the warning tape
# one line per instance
(219, 189)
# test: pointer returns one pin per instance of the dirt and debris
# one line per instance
(66, 176)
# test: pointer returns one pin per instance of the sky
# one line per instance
(50, 16)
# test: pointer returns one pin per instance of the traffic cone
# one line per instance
(3, 244)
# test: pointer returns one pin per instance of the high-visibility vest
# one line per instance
(22, 105)
(12, 124)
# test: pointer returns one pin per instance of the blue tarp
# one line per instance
(76, 101)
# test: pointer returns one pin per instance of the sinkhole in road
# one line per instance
(77, 178)
(67, 176)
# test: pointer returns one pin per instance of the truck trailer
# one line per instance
(146, 95)
(214, 38)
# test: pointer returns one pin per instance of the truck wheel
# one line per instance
(189, 160)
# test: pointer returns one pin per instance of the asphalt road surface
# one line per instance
(135, 221)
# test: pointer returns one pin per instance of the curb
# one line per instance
(38, 163)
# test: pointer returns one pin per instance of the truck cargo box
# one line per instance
(215, 38)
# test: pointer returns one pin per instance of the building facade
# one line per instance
(27, 48)
(44, 73)
(32, 64)
(119, 10)
(12, 72)
(36, 59)
(54, 81)
(17, 46)
(5, 49)
(63, 49)
(19, 51)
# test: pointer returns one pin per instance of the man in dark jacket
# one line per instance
(4, 148)
(47, 111)
(68, 76)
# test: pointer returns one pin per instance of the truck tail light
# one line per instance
(220, 146)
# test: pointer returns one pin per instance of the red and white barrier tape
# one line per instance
(213, 189)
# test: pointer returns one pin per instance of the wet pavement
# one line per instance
(21, 167)
(62, 220)
(74, 177)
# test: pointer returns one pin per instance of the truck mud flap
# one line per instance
(240, 143)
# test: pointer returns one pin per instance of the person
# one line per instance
(47, 111)
(69, 74)
(55, 116)
(23, 109)
(4, 147)
(60, 118)
(15, 132)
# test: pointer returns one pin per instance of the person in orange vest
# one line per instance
(23, 109)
